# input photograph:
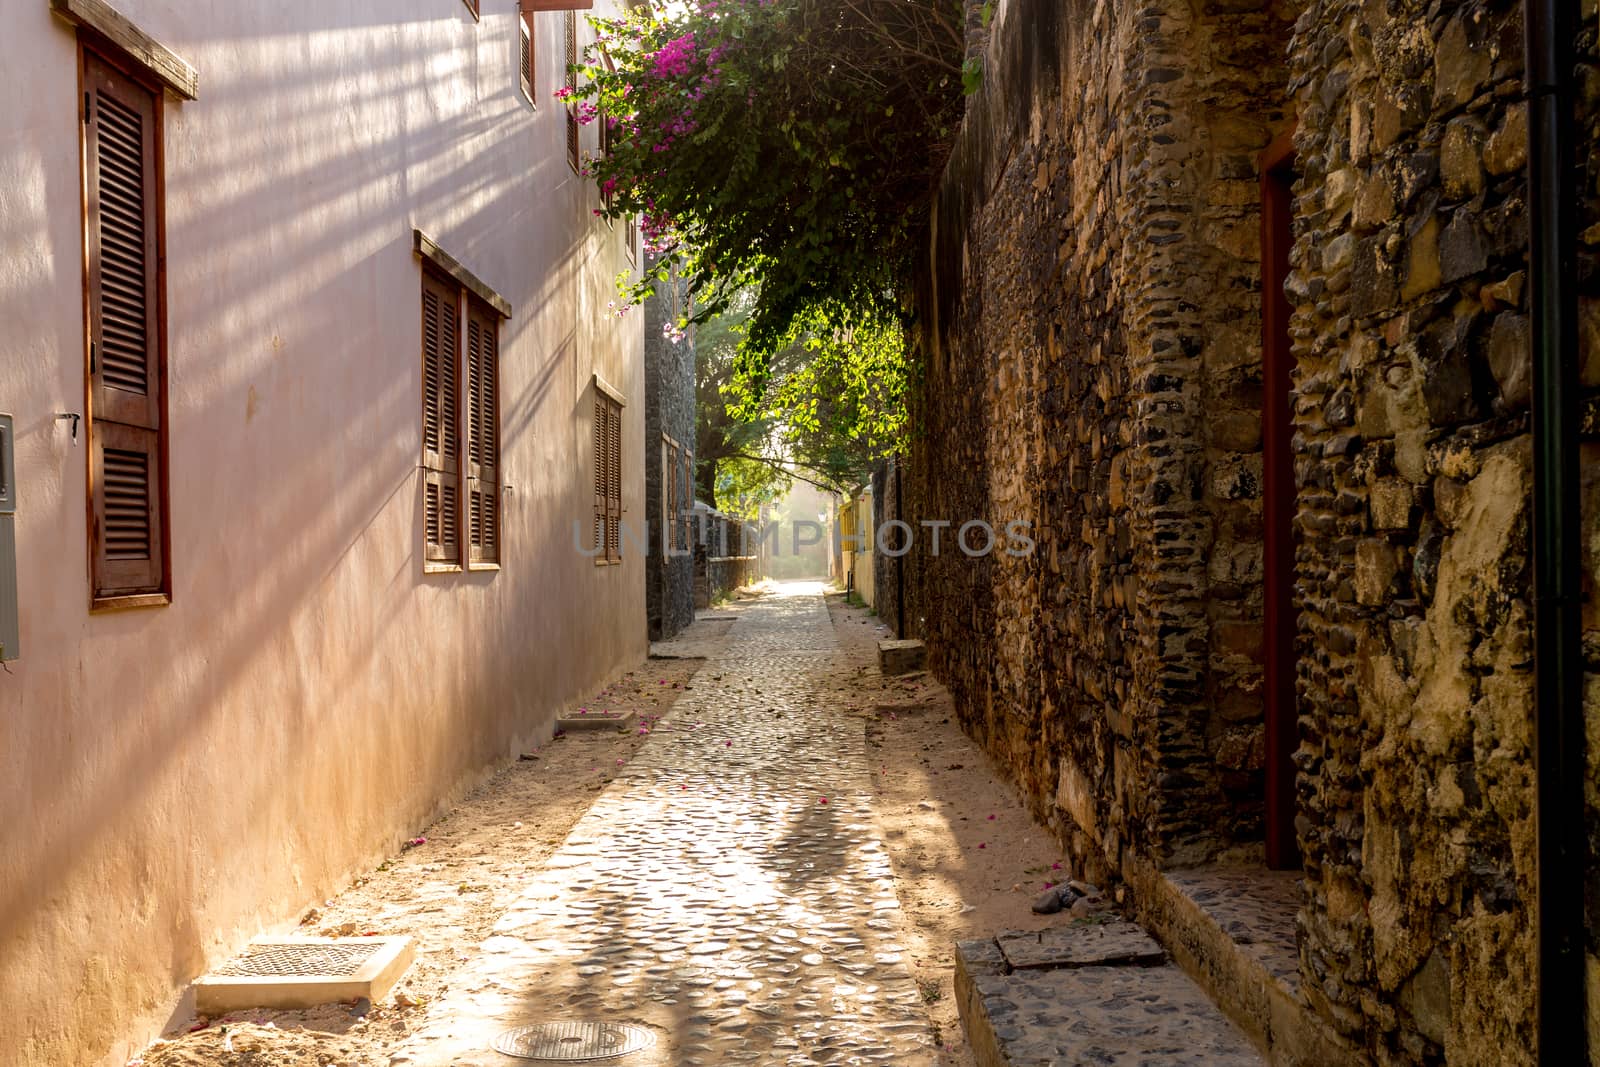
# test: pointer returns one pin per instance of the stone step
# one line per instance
(1232, 928)
(581, 722)
(900, 657)
(1094, 992)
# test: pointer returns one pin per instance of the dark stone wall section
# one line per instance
(669, 409)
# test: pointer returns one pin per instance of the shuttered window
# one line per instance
(441, 425)
(607, 478)
(460, 425)
(525, 55)
(686, 497)
(669, 521)
(571, 28)
(126, 351)
(483, 433)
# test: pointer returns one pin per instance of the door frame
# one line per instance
(1278, 503)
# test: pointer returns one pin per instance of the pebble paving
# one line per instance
(729, 889)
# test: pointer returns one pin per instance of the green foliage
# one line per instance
(832, 402)
(786, 149)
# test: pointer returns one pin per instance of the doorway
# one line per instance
(1278, 503)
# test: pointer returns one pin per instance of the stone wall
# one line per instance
(1091, 353)
(726, 555)
(1090, 341)
(1412, 393)
(669, 368)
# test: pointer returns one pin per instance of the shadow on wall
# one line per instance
(274, 374)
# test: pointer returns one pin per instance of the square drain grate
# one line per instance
(574, 1041)
(294, 959)
(302, 972)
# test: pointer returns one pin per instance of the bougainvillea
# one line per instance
(787, 148)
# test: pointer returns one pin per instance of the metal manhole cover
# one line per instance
(282, 959)
(571, 1042)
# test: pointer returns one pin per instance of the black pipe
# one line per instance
(1557, 531)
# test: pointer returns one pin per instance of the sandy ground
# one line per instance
(446, 893)
(967, 861)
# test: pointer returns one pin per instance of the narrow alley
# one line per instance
(772, 866)
(729, 887)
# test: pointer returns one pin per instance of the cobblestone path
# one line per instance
(729, 889)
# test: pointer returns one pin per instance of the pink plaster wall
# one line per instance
(175, 780)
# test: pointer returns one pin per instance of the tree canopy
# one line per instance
(829, 408)
(783, 152)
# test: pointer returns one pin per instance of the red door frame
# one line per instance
(1278, 503)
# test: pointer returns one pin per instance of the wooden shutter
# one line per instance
(669, 517)
(602, 414)
(607, 477)
(614, 484)
(573, 149)
(686, 495)
(525, 54)
(483, 434)
(125, 379)
(441, 427)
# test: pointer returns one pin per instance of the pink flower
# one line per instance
(982, 845)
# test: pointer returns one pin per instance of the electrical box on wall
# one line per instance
(8, 542)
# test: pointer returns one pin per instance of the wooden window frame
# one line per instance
(527, 57)
(670, 540)
(474, 306)
(574, 131)
(442, 467)
(686, 494)
(607, 453)
(480, 397)
(107, 418)
(606, 139)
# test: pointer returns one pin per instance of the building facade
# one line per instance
(1229, 302)
(857, 534)
(318, 406)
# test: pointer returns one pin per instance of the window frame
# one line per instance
(527, 57)
(606, 456)
(473, 303)
(453, 467)
(473, 478)
(104, 594)
(574, 131)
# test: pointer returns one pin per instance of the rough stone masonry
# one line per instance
(1091, 338)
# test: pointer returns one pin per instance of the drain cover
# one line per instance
(285, 958)
(572, 1042)
(302, 972)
